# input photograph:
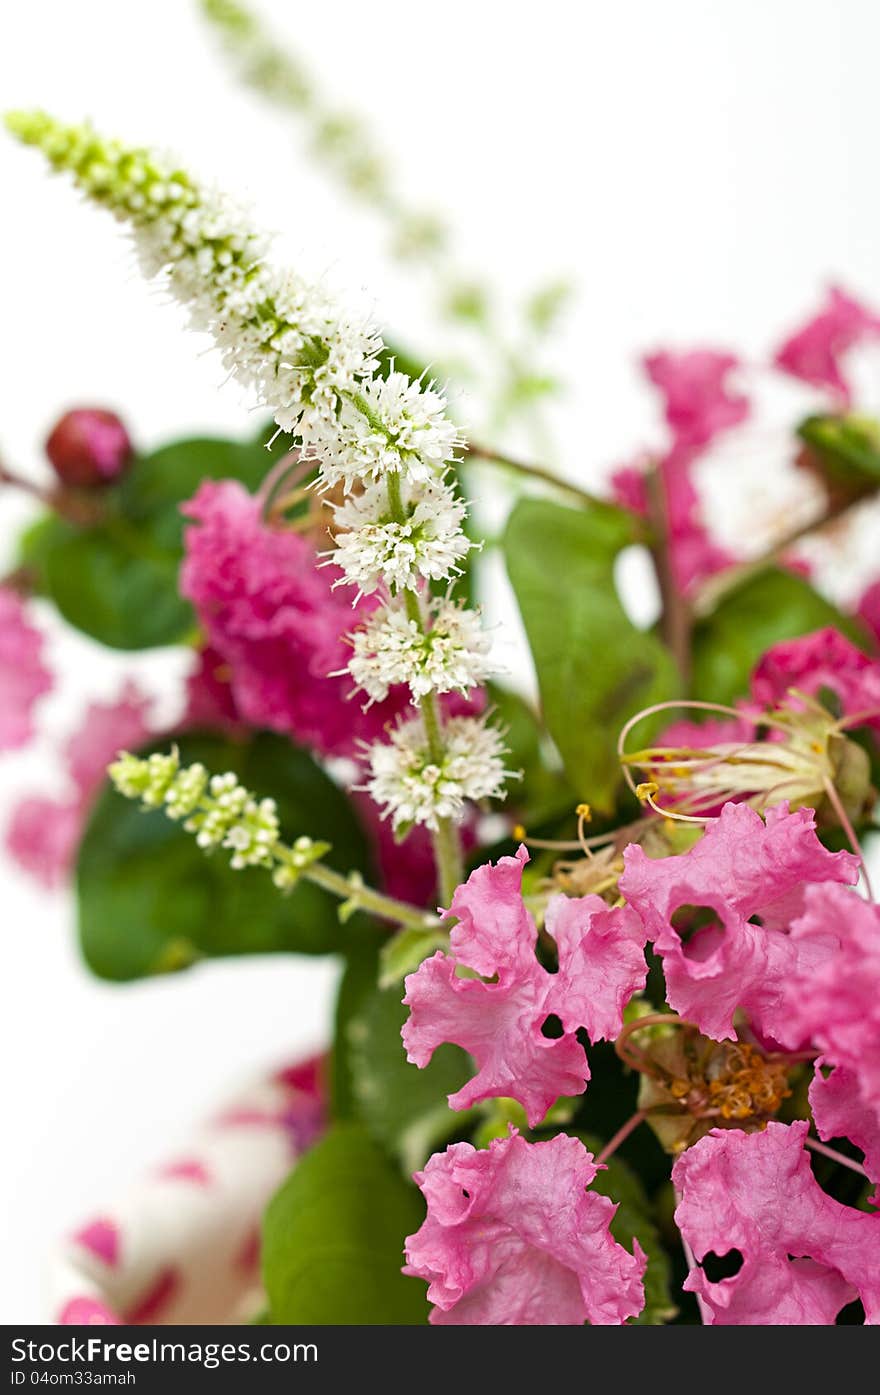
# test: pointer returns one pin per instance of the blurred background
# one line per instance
(698, 173)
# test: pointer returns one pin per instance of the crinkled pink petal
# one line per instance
(106, 729)
(513, 1237)
(840, 1111)
(499, 1024)
(43, 836)
(699, 402)
(804, 1255)
(601, 963)
(815, 353)
(23, 675)
(743, 867)
(823, 659)
(270, 611)
(833, 999)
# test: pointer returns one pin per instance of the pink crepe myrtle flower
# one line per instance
(823, 659)
(272, 615)
(23, 675)
(699, 402)
(841, 1111)
(832, 998)
(210, 703)
(601, 965)
(804, 1255)
(44, 834)
(514, 1238)
(815, 353)
(752, 875)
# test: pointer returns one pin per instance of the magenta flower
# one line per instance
(270, 611)
(840, 1110)
(89, 447)
(868, 609)
(804, 1255)
(513, 1238)
(23, 675)
(501, 1022)
(44, 834)
(823, 659)
(751, 876)
(699, 402)
(815, 353)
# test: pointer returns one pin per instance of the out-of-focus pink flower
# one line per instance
(271, 613)
(841, 1111)
(699, 402)
(44, 834)
(804, 1255)
(868, 609)
(209, 700)
(832, 1001)
(23, 675)
(823, 659)
(513, 1238)
(815, 353)
(716, 731)
(601, 965)
(89, 446)
(752, 876)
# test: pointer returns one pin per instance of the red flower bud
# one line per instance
(89, 447)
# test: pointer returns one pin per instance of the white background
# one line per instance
(701, 169)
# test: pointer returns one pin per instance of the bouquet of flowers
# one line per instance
(607, 1044)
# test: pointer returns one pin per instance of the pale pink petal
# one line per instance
(106, 729)
(815, 353)
(804, 1255)
(87, 1312)
(840, 1111)
(43, 837)
(601, 963)
(513, 1237)
(101, 1237)
(751, 874)
(23, 675)
(495, 933)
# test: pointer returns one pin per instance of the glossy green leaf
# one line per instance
(595, 669)
(151, 901)
(116, 580)
(333, 1237)
(770, 606)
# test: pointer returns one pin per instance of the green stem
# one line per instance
(447, 844)
(537, 472)
(350, 889)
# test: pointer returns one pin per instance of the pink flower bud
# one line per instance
(89, 447)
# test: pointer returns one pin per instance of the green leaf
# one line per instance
(116, 580)
(151, 901)
(767, 608)
(543, 792)
(404, 1108)
(595, 669)
(848, 448)
(635, 1221)
(404, 952)
(333, 1238)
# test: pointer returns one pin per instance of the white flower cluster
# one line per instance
(373, 547)
(218, 810)
(386, 435)
(393, 647)
(413, 788)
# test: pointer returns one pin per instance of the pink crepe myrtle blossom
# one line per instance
(23, 675)
(751, 874)
(699, 403)
(841, 1111)
(804, 1255)
(832, 998)
(500, 1021)
(815, 353)
(44, 834)
(513, 1237)
(823, 659)
(273, 616)
(868, 610)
